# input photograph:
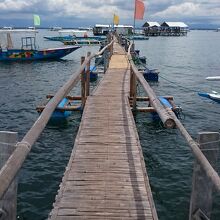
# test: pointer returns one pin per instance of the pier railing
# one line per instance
(22, 148)
(201, 199)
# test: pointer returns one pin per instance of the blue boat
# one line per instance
(151, 75)
(59, 38)
(93, 74)
(214, 96)
(28, 51)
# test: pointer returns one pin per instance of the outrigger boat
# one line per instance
(69, 35)
(215, 96)
(82, 42)
(64, 108)
(28, 50)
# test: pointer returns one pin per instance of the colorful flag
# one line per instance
(116, 19)
(139, 10)
(36, 20)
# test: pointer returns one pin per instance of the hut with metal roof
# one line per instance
(173, 29)
(151, 28)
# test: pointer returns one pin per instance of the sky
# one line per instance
(87, 13)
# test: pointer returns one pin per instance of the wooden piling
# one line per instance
(88, 76)
(8, 203)
(133, 88)
(202, 187)
(83, 89)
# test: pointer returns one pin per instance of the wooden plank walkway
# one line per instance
(106, 177)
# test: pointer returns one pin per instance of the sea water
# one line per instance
(183, 62)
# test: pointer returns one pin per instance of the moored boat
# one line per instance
(82, 42)
(29, 51)
(214, 96)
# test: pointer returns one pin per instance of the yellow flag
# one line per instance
(36, 20)
(116, 19)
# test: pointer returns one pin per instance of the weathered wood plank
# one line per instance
(106, 177)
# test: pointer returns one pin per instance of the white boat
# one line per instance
(213, 78)
(56, 28)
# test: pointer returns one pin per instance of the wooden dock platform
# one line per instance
(106, 176)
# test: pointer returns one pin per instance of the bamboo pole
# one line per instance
(170, 120)
(142, 99)
(15, 161)
(202, 188)
(88, 76)
(8, 203)
(83, 85)
(161, 110)
(202, 160)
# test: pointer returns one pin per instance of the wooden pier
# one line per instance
(106, 176)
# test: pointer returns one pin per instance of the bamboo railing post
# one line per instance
(83, 91)
(133, 89)
(8, 203)
(134, 92)
(111, 51)
(202, 187)
(105, 61)
(131, 82)
(88, 76)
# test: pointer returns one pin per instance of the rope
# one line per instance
(176, 84)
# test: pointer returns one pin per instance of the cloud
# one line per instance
(10, 5)
(101, 11)
(184, 9)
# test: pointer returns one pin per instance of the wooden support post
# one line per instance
(8, 203)
(105, 60)
(133, 89)
(83, 91)
(131, 83)
(202, 187)
(88, 76)
(111, 50)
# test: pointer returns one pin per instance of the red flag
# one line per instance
(139, 10)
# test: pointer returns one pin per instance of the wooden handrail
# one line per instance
(169, 114)
(161, 110)
(202, 160)
(16, 160)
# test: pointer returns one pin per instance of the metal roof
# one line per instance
(174, 24)
(103, 25)
(151, 24)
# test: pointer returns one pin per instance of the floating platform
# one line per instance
(64, 108)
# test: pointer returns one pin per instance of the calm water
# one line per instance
(184, 62)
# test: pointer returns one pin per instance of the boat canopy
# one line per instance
(76, 33)
(73, 31)
(8, 31)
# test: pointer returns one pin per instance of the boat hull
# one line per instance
(29, 55)
(70, 38)
(213, 97)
